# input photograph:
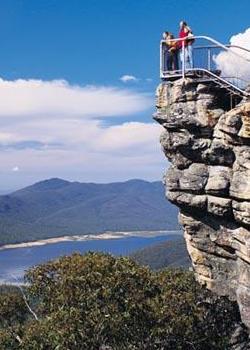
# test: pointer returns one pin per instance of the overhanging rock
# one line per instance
(208, 144)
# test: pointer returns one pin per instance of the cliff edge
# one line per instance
(206, 138)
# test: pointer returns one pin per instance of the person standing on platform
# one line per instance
(186, 32)
(172, 46)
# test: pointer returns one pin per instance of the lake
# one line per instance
(13, 262)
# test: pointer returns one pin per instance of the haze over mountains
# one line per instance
(56, 207)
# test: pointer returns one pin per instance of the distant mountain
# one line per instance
(56, 207)
(2, 192)
(172, 253)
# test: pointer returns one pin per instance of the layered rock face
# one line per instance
(207, 142)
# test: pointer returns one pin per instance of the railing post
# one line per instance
(183, 59)
(161, 60)
(209, 59)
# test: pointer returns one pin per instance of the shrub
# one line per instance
(96, 301)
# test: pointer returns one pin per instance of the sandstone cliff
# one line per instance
(207, 141)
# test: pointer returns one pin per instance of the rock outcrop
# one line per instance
(208, 144)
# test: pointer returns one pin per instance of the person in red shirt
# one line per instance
(185, 34)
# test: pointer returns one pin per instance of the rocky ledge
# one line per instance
(206, 138)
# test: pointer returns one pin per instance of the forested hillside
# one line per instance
(172, 253)
(56, 207)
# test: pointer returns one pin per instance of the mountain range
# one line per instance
(55, 207)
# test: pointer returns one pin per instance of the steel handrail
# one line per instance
(201, 69)
(217, 77)
(239, 47)
(216, 46)
(241, 79)
(222, 81)
(217, 43)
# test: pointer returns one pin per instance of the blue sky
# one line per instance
(95, 41)
(69, 52)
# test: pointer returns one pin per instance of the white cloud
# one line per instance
(129, 150)
(84, 134)
(25, 98)
(126, 78)
(230, 64)
(6, 136)
(59, 130)
(128, 137)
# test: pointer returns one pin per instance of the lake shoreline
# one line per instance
(89, 237)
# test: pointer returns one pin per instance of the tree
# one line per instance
(13, 312)
(97, 301)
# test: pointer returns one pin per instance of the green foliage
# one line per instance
(8, 339)
(91, 301)
(190, 317)
(8, 288)
(106, 296)
(13, 313)
(12, 309)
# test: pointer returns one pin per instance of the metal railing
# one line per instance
(205, 52)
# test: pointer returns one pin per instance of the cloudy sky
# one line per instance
(78, 80)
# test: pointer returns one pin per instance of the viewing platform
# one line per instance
(206, 67)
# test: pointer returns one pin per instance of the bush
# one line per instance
(96, 301)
